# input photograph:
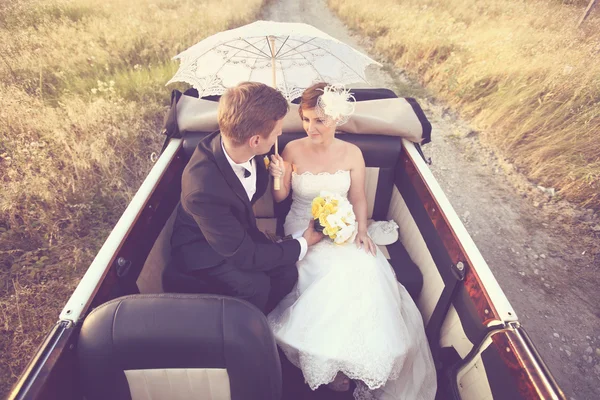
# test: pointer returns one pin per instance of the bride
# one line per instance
(347, 318)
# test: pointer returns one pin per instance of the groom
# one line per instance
(215, 240)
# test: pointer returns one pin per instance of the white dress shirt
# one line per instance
(249, 184)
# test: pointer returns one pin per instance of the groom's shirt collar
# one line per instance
(248, 182)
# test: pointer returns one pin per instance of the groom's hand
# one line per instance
(312, 236)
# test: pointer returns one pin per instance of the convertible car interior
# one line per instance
(124, 334)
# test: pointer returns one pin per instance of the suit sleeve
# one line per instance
(228, 237)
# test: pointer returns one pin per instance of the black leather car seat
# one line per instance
(178, 346)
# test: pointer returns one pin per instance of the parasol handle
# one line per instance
(276, 180)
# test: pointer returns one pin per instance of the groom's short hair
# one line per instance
(249, 109)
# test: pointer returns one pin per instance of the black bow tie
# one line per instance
(247, 173)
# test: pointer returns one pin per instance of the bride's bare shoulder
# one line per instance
(350, 149)
(292, 148)
(296, 145)
(352, 155)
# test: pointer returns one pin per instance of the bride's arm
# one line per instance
(279, 166)
(357, 195)
(358, 198)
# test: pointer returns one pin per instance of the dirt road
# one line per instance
(539, 250)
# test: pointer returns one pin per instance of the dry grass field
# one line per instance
(82, 99)
(520, 70)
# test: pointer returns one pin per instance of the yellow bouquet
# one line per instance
(334, 217)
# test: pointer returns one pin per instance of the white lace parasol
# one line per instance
(302, 55)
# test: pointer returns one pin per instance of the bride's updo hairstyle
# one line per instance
(333, 104)
(310, 97)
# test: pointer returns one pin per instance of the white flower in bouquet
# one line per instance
(334, 215)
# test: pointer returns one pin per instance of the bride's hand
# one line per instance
(363, 240)
(277, 166)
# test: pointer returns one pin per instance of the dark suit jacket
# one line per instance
(215, 222)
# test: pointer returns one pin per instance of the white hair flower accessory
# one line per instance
(335, 105)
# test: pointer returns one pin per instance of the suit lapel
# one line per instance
(231, 178)
(262, 178)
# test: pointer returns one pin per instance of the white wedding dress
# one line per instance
(348, 313)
